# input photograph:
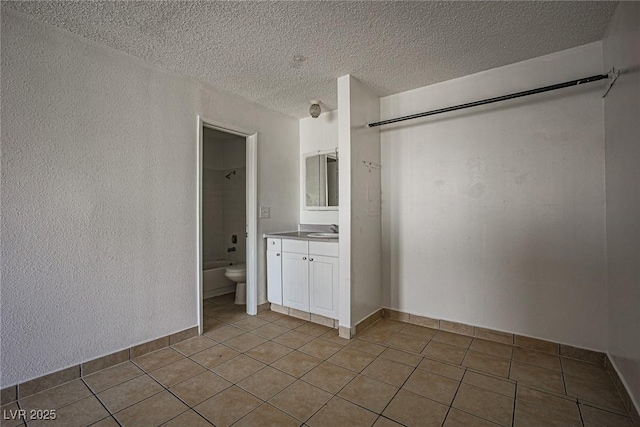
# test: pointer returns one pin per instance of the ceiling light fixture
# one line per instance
(315, 110)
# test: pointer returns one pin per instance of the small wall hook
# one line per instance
(613, 76)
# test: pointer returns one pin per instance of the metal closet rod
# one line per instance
(496, 99)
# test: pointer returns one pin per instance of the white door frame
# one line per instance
(252, 212)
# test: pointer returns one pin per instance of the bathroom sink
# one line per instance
(324, 235)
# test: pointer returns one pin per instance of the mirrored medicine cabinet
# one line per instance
(321, 180)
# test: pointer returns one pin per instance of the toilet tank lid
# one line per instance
(236, 268)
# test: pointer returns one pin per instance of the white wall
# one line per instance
(99, 196)
(494, 216)
(622, 135)
(317, 134)
(361, 239)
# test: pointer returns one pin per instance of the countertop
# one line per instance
(299, 235)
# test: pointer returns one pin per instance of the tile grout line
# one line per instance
(103, 405)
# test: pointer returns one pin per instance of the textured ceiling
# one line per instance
(283, 54)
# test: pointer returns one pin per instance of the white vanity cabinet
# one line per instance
(304, 275)
(274, 271)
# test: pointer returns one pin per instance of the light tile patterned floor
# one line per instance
(273, 370)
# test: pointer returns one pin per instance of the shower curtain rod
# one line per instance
(613, 74)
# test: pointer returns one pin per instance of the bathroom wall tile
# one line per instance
(582, 354)
(458, 328)
(104, 362)
(148, 347)
(48, 381)
(183, 335)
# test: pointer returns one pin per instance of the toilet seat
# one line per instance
(236, 268)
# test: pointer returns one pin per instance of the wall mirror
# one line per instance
(321, 180)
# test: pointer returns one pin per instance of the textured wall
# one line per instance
(622, 135)
(494, 216)
(361, 237)
(99, 196)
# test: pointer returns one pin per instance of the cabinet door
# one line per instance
(274, 277)
(323, 286)
(295, 281)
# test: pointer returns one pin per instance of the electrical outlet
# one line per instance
(265, 212)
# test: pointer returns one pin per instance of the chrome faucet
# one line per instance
(231, 249)
(334, 228)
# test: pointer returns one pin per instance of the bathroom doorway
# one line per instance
(227, 215)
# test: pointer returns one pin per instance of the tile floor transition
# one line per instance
(274, 370)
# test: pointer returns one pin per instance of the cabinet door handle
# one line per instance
(277, 254)
(310, 259)
(304, 258)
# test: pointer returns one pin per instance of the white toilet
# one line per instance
(238, 273)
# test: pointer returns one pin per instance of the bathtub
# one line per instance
(214, 282)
